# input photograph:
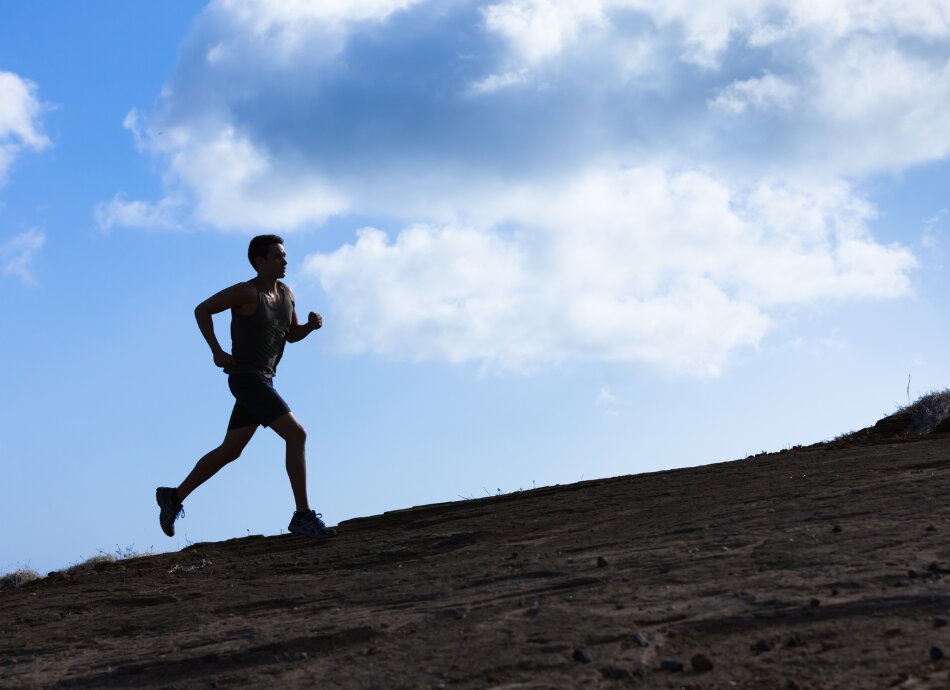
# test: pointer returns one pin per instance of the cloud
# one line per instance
(654, 181)
(638, 266)
(17, 253)
(760, 93)
(20, 126)
(118, 212)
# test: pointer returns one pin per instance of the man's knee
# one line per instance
(230, 453)
(298, 435)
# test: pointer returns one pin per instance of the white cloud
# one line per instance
(281, 30)
(760, 93)
(17, 253)
(494, 82)
(238, 185)
(20, 126)
(610, 403)
(162, 215)
(933, 229)
(623, 180)
(235, 183)
(639, 266)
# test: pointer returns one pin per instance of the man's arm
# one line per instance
(233, 297)
(299, 331)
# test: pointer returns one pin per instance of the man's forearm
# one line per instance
(299, 332)
(206, 326)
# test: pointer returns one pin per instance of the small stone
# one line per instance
(794, 641)
(930, 528)
(601, 562)
(934, 568)
(583, 655)
(641, 640)
(936, 654)
(701, 663)
(792, 685)
(762, 646)
(616, 673)
(671, 664)
(912, 574)
(814, 603)
(893, 632)
(941, 621)
(836, 529)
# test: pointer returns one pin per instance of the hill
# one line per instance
(817, 567)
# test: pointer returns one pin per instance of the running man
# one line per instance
(263, 318)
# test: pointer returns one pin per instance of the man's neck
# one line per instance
(267, 284)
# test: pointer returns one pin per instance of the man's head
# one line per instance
(266, 254)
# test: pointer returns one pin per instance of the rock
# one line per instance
(942, 427)
(601, 562)
(641, 640)
(814, 603)
(671, 664)
(583, 655)
(616, 673)
(836, 529)
(701, 663)
(934, 568)
(930, 528)
(936, 654)
(912, 574)
(895, 425)
(762, 646)
(794, 641)
(941, 621)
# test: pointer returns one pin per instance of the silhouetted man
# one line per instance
(263, 318)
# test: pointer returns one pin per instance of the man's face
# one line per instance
(275, 265)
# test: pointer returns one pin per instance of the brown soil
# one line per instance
(819, 567)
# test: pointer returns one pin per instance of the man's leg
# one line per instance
(229, 450)
(288, 428)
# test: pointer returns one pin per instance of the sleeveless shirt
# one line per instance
(257, 340)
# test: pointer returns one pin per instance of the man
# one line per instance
(263, 318)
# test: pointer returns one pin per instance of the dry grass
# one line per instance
(22, 576)
(18, 578)
(908, 421)
(927, 411)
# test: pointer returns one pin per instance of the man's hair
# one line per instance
(259, 247)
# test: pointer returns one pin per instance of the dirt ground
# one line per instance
(819, 567)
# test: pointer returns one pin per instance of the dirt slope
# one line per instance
(822, 567)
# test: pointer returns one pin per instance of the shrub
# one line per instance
(927, 412)
(18, 578)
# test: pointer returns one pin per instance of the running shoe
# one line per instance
(309, 524)
(172, 509)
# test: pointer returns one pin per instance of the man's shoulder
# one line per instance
(245, 291)
(287, 289)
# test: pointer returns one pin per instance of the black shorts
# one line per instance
(255, 401)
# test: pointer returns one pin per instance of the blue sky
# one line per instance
(551, 240)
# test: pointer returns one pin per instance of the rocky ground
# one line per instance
(819, 567)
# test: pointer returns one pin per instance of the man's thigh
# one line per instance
(288, 428)
(236, 439)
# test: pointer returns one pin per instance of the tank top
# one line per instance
(257, 340)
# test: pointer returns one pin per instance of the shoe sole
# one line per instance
(172, 527)
(313, 536)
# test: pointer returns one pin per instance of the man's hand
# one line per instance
(223, 359)
(314, 321)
